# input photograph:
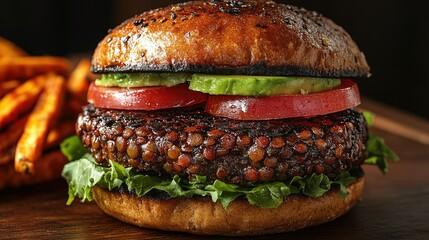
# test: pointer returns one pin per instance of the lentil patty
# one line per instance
(189, 142)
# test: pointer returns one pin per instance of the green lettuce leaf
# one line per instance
(73, 148)
(343, 180)
(113, 176)
(141, 184)
(369, 118)
(81, 176)
(268, 195)
(224, 192)
(378, 152)
(84, 173)
(316, 185)
(175, 188)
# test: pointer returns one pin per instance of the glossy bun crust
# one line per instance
(231, 37)
(202, 216)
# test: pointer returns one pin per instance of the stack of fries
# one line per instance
(40, 98)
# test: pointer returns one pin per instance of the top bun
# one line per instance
(231, 37)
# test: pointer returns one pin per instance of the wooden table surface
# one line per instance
(394, 206)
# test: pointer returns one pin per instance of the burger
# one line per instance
(223, 118)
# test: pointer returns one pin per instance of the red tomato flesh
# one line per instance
(144, 98)
(338, 99)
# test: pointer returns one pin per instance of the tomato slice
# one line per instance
(340, 98)
(144, 98)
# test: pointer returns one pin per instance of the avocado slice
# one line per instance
(223, 84)
(142, 79)
(260, 85)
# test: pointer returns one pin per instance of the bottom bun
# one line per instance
(203, 216)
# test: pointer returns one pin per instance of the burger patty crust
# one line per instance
(190, 142)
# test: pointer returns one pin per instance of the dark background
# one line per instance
(393, 34)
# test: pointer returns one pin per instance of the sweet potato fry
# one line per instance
(41, 119)
(28, 67)
(48, 167)
(8, 49)
(8, 86)
(59, 133)
(12, 134)
(20, 100)
(77, 84)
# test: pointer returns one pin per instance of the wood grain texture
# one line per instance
(402, 124)
(394, 206)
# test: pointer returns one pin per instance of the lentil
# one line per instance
(227, 141)
(209, 153)
(184, 160)
(174, 152)
(277, 142)
(195, 139)
(256, 153)
(221, 173)
(210, 141)
(262, 141)
(132, 150)
(270, 162)
(251, 174)
(265, 174)
(244, 141)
